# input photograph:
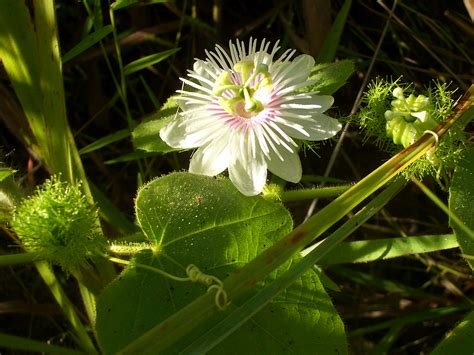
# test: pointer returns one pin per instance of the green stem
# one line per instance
(309, 194)
(49, 278)
(196, 313)
(20, 258)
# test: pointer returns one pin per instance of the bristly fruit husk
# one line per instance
(58, 223)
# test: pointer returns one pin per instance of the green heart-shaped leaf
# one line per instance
(191, 219)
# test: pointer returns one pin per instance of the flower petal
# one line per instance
(191, 131)
(173, 133)
(246, 173)
(305, 103)
(289, 168)
(318, 128)
(211, 159)
(294, 72)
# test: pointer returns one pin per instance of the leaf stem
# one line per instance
(19, 258)
(309, 194)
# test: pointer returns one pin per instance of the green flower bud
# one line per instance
(409, 118)
(58, 223)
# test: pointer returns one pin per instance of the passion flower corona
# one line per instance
(243, 110)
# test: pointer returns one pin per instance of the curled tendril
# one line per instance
(434, 134)
(196, 275)
(193, 274)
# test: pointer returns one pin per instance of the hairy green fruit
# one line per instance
(58, 223)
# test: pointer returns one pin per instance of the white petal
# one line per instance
(173, 133)
(320, 127)
(211, 159)
(295, 72)
(289, 168)
(314, 103)
(191, 131)
(421, 115)
(247, 174)
(203, 69)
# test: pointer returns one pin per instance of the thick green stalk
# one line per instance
(196, 313)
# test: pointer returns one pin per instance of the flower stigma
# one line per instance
(238, 92)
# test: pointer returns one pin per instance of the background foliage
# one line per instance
(120, 66)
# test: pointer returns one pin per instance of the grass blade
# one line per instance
(381, 249)
(329, 48)
(104, 141)
(87, 42)
(147, 61)
(121, 4)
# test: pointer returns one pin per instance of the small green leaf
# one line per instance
(460, 340)
(331, 76)
(146, 136)
(192, 219)
(147, 61)
(104, 141)
(461, 202)
(329, 48)
(121, 4)
(6, 172)
(87, 42)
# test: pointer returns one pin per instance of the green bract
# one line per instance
(409, 118)
(58, 223)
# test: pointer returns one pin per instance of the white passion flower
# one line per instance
(243, 111)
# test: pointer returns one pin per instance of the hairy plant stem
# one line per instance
(308, 194)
